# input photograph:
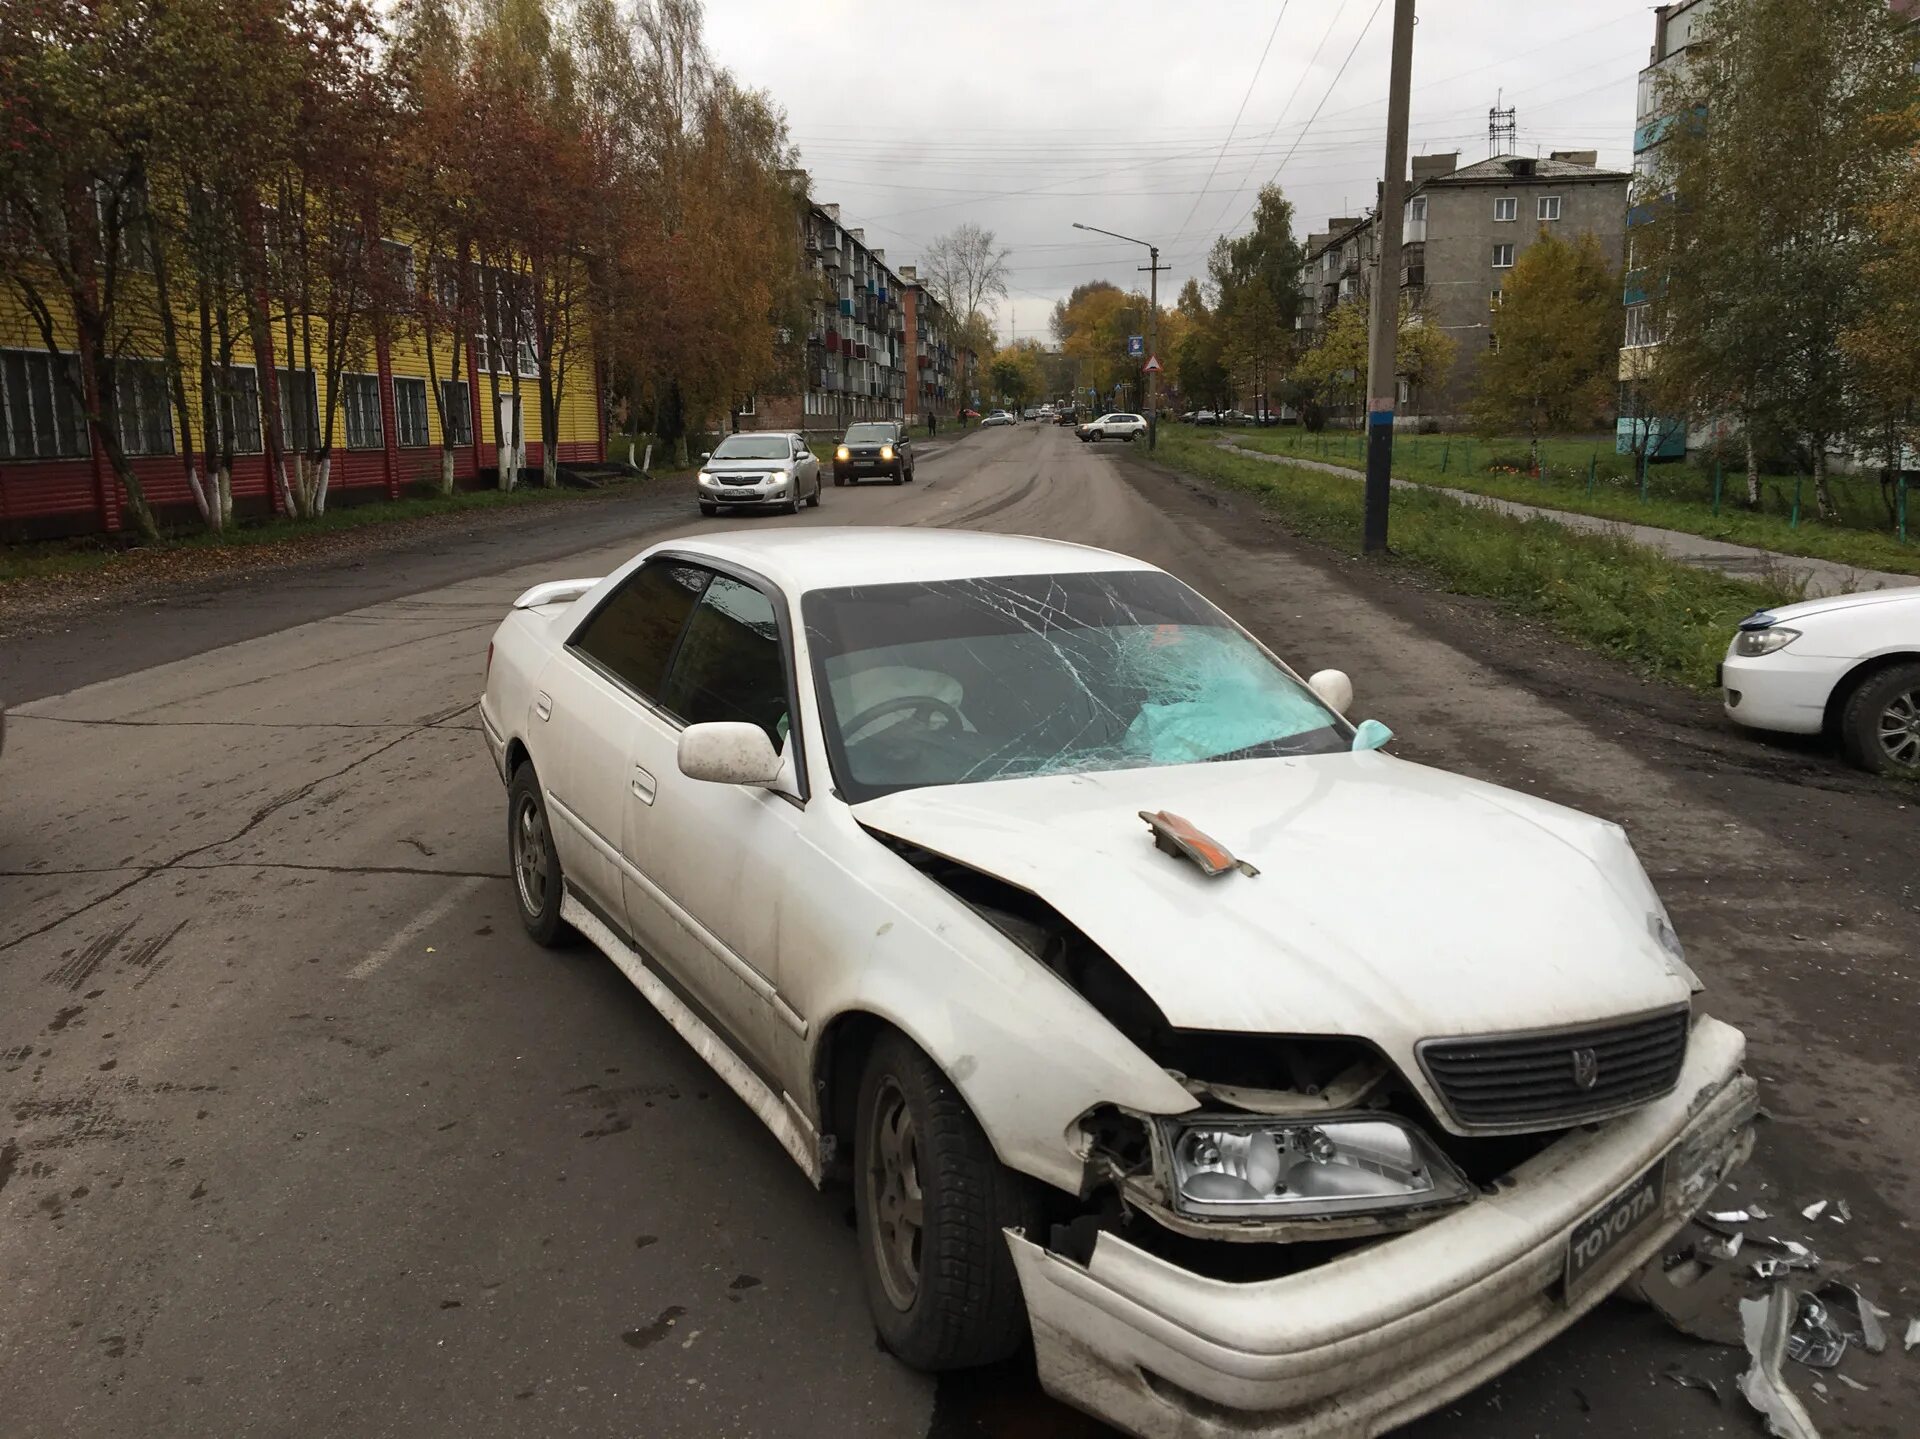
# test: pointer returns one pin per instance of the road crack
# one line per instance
(259, 817)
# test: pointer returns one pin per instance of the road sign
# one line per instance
(1152, 366)
(1136, 345)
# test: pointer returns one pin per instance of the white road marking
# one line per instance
(432, 914)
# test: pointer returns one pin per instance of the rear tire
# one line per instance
(537, 881)
(1880, 721)
(814, 498)
(930, 1202)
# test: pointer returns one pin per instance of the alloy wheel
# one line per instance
(530, 854)
(1899, 730)
(895, 1201)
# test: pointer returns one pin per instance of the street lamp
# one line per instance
(1153, 267)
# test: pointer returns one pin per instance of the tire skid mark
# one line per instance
(74, 973)
(145, 956)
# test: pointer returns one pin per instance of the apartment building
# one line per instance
(936, 370)
(1675, 29)
(857, 352)
(1464, 228)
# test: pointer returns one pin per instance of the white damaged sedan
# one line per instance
(1276, 1085)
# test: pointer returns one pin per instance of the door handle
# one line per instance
(543, 705)
(642, 785)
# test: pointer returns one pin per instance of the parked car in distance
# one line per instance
(1116, 426)
(1013, 884)
(874, 448)
(998, 417)
(758, 469)
(1847, 666)
(1205, 417)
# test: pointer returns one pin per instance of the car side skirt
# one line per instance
(775, 1110)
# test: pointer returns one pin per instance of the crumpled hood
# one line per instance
(1394, 902)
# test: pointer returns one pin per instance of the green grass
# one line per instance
(55, 558)
(1665, 619)
(1679, 496)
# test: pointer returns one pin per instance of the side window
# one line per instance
(632, 635)
(729, 666)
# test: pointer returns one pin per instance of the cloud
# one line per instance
(1025, 118)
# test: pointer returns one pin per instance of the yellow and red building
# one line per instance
(55, 478)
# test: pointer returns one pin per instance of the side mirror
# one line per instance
(727, 752)
(1371, 734)
(706, 454)
(1334, 689)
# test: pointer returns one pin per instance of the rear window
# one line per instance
(632, 635)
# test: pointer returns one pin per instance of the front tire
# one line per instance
(930, 1201)
(709, 510)
(1880, 722)
(537, 881)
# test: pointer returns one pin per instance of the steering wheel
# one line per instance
(932, 704)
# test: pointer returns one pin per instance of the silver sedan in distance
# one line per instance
(771, 468)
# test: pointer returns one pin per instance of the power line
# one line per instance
(1372, 15)
(1214, 169)
(1292, 95)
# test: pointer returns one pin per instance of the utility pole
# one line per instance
(1153, 267)
(1382, 383)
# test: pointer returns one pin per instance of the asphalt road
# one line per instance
(301, 1136)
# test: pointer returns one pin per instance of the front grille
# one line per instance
(1541, 1079)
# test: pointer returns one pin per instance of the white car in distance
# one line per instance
(1145, 1004)
(1847, 666)
(1116, 426)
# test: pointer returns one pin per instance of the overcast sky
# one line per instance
(1024, 117)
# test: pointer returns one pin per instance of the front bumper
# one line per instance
(759, 492)
(864, 469)
(1783, 691)
(1380, 1335)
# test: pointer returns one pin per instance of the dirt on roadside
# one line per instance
(140, 575)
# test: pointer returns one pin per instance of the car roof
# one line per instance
(830, 557)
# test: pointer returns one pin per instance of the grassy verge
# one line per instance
(56, 559)
(1679, 497)
(1663, 618)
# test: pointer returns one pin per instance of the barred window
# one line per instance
(39, 417)
(456, 408)
(144, 414)
(410, 411)
(299, 409)
(360, 401)
(237, 400)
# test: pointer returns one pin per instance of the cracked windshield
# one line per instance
(990, 679)
(886, 720)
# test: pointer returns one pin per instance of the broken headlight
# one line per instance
(1235, 1168)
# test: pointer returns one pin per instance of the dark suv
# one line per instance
(874, 447)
